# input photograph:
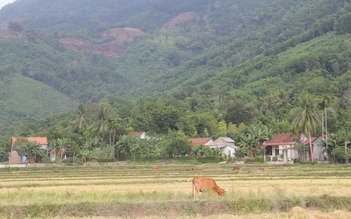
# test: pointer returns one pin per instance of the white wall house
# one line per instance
(282, 146)
(319, 152)
(226, 145)
(140, 134)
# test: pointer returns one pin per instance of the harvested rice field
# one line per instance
(138, 191)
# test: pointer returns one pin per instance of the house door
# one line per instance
(269, 150)
(277, 152)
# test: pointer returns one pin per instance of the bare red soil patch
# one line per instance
(180, 19)
(114, 47)
(122, 35)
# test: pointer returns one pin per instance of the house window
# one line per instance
(276, 151)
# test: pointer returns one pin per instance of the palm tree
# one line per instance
(117, 127)
(102, 124)
(324, 103)
(306, 118)
(80, 122)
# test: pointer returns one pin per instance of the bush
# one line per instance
(68, 160)
(254, 160)
(105, 160)
(210, 159)
(46, 159)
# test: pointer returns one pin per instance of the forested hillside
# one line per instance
(161, 65)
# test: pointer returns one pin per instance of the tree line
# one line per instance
(101, 131)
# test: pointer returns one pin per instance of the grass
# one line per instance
(139, 191)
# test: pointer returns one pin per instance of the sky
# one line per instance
(5, 2)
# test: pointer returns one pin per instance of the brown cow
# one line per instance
(236, 168)
(201, 184)
(155, 167)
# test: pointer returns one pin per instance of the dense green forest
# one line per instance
(198, 68)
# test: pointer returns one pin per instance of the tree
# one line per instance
(117, 127)
(101, 125)
(3, 154)
(32, 150)
(15, 27)
(177, 144)
(129, 146)
(345, 128)
(85, 152)
(323, 104)
(222, 128)
(254, 137)
(60, 146)
(81, 123)
(306, 117)
(334, 142)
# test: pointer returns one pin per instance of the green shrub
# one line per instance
(254, 160)
(68, 160)
(46, 159)
(105, 160)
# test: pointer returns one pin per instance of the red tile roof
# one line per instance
(39, 140)
(199, 141)
(281, 139)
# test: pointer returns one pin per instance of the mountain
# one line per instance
(87, 50)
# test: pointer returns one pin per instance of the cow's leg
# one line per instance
(194, 192)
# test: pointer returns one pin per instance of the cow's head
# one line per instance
(222, 192)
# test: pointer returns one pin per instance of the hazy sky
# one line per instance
(5, 2)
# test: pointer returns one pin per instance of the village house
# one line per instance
(319, 152)
(201, 141)
(18, 141)
(282, 147)
(226, 145)
(285, 147)
(140, 134)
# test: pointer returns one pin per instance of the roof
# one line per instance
(308, 140)
(199, 141)
(281, 139)
(227, 139)
(39, 140)
(223, 146)
(137, 133)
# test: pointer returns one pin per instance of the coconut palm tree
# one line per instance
(324, 102)
(80, 122)
(306, 117)
(101, 126)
